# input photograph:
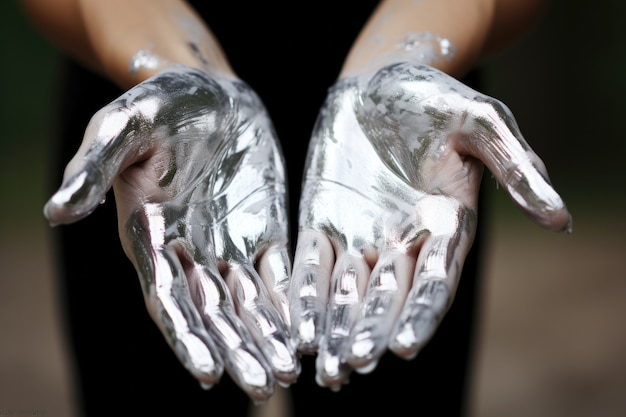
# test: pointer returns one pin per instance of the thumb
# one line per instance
(104, 152)
(498, 142)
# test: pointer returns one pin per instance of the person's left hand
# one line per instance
(388, 211)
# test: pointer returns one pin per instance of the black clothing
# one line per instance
(123, 365)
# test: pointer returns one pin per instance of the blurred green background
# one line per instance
(28, 72)
(551, 339)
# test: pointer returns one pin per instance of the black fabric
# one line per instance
(123, 365)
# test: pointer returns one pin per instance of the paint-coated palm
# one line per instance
(199, 184)
(388, 211)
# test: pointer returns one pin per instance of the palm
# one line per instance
(388, 211)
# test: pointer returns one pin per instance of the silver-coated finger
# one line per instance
(309, 290)
(348, 286)
(264, 322)
(387, 291)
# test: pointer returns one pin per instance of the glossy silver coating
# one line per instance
(199, 181)
(427, 47)
(388, 211)
(145, 59)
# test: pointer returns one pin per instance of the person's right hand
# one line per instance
(199, 183)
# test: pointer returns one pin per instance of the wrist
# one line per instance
(446, 34)
(133, 43)
(416, 48)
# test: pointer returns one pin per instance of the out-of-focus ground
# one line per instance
(552, 338)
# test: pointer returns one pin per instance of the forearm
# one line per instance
(451, 35)
(127, 41)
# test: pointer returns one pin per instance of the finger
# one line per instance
(308, 291)
(90, 173)
(264, 322)
(170, 306)
(243, 360)
(450, 229)
(203, 301)
(435, 281)
(498, 142)
(426, 303)
(425, 307)
(168, 296)
(348, 285)
(388, 288)
(274, 267)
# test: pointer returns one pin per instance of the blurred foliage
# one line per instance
(27, 74)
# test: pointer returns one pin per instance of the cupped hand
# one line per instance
(199, 183)
(388, 211)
